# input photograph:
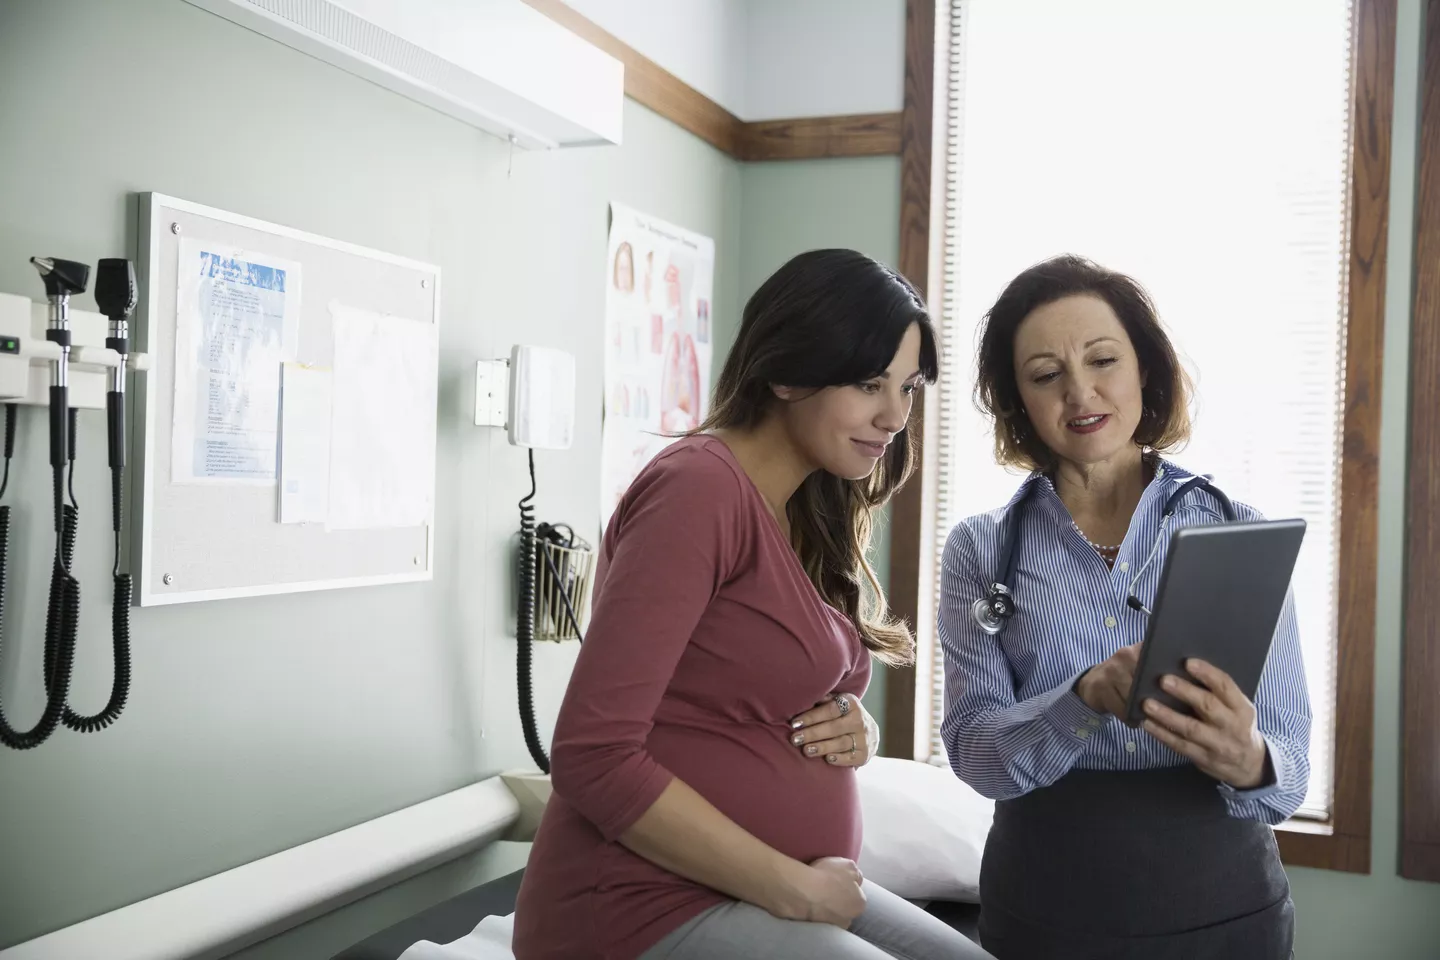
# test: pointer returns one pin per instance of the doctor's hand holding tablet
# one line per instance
(1220, 736)
(1221, 595)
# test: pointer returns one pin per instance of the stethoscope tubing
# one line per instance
(991, 611)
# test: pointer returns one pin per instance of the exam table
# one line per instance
(456, 917)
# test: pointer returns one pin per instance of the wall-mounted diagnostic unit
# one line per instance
(69, 360)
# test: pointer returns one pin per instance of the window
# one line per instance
(1207, 151)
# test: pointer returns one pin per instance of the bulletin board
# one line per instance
(286, 435)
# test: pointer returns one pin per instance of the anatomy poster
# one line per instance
(659, 285)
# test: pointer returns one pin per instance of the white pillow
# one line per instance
(925, 830)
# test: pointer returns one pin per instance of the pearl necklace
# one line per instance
(1098, 547)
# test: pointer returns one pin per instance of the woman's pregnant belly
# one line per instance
(802, 806)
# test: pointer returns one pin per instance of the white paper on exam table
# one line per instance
(490, 940)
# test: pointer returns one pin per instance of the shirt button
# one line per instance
(1124, 566)
(1109, 621)
(1082, 733)
(1129, 746)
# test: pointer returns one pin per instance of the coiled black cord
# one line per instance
(60, 600)
(67, 610)
(525, 626)
(62, 604)
(59, 642)
(71, 437)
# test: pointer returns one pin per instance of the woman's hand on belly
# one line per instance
(1223, 738)
(845, 736)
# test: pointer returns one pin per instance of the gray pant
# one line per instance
(891, 928)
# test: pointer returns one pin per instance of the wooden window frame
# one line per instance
(1342, 843)
(1420, 752)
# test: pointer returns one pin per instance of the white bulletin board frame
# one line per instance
(200, 541)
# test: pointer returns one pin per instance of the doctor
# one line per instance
(1108, 841)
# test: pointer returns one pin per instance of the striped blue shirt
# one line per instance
(1012, 722)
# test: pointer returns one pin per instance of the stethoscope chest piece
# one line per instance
(992, 610)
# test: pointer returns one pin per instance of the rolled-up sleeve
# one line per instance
(1001, 747)
(676, 540)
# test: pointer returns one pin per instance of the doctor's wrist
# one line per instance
(1255, 771)
(1258, 772)
(1083, 687)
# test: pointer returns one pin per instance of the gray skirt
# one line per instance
(1129, 865)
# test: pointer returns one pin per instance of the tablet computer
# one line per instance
(1220, 596)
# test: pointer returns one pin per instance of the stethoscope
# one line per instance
(991, 611)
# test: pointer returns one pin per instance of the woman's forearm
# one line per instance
(685, 834)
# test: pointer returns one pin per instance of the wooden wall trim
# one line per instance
(804, 138)
(1420, 751)
(859, 135)
(916, 147)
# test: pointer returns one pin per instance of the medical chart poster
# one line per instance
(659, 291)
(237, 322)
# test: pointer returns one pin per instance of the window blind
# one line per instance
(1204, 150)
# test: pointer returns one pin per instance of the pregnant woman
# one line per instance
(704, 807)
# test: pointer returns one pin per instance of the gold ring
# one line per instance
(852, 743)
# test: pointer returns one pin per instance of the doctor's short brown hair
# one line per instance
(1165, 417)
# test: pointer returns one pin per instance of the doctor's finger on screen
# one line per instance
(1105, 687)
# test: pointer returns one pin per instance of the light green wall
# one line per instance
(255, 725)
(792, 206)
(788, 207)
(1381, 915)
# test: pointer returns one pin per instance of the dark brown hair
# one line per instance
(831, 318)
(1165, 417)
